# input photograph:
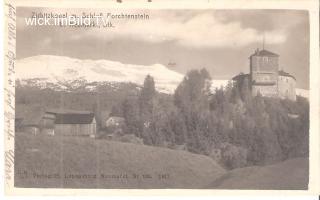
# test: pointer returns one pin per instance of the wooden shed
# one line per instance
(74, 123)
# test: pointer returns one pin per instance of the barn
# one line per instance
(38, 120)
(74, 123)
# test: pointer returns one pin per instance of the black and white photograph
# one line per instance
(162, 98)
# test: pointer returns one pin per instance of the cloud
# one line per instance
(189, 28)
(200, 30)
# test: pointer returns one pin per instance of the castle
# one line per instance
(266, 78)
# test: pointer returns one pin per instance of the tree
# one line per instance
(146, 105)
(146, 97)
(245, 92)
(194, 87)
(131, 115)
(192, 101)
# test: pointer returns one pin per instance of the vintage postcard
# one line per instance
(221, 97)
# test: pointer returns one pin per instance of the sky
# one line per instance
(219, 40)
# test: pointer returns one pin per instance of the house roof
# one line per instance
(117, 119)
(66, 111)
(74, 118)
(283, 73)
(264, 53)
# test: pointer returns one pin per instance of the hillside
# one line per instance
(43, 161)
(288, 175)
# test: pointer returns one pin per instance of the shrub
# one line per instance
(233, 156)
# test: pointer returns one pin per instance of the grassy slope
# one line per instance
(288, 175)
(45, 155)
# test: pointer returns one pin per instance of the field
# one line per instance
(75, 162)
(79, 162)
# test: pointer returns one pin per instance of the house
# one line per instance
(114, 126)
(115, 121)
(74, 123)
(265, 78)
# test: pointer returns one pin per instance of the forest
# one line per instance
(227, 124)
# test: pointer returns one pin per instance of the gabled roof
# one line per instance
(74, 118)
(264, 53)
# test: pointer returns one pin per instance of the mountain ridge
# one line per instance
(61, 71)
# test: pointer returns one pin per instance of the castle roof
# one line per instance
(283, 73)
(240, 76)
(264, 53)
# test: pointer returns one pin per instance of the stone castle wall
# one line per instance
(264, 78)
(286, 87)
(265, 90)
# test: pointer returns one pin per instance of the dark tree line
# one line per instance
(228, 124)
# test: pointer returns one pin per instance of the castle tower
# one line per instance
(264, 68)
(266, 79)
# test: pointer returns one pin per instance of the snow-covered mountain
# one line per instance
(64, 73)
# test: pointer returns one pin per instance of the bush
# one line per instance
(233, 156)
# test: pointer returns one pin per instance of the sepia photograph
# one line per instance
(162, 98)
